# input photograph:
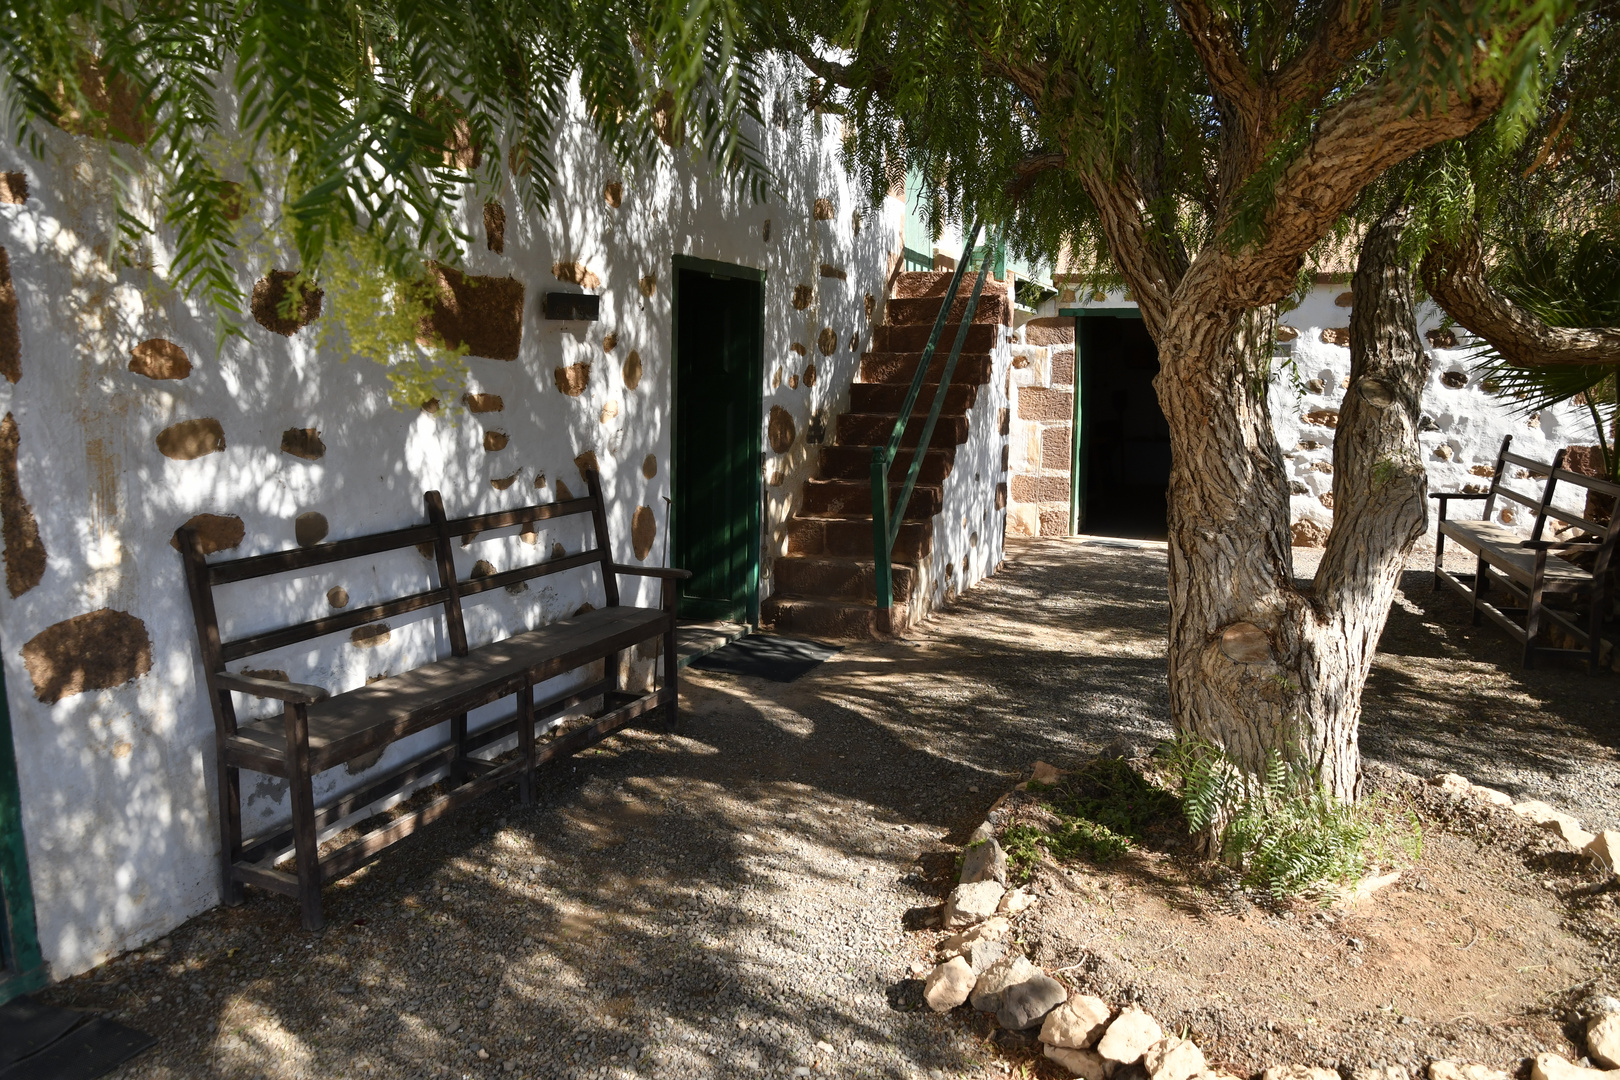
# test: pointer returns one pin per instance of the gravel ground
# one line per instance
(730, 901)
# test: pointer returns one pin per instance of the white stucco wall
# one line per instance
(117, 783)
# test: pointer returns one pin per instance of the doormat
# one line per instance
(765, 656)
(41, 1042)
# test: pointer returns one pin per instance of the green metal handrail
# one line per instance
(886, 521)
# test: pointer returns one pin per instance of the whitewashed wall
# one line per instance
(117, 783)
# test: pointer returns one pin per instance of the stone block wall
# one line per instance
(1042, 385)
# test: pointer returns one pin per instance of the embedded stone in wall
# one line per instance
(1062, 367)
(800, 349)
(191, 439)
(309, 528)
(587, 463)
(649, 285)
(869, 305)
(558, 551)
(781, 429)
(501, 483)
(1315, 386)
(816, 432)
(822, 210)
(1336, 335)
(369, 637)
(10, 334)
(830, 271)
(563, 494)
(803, 296)
(483, 403)
(1456, 380)
(585, 607)
(810, 375)
(303, 442)
(1345, 299)
(573, 379)
(1444, 452)
(855, 342)
(25, 552)
(1323, 417)
(14, 188)
(576, 273)
(95, 651)
(610, 410)
(1308, 533)
(337, 596)
(1442, 338)
(649, 467)
(495, 440)
(827, 342)
(610, 341)
(613, 193)
(765, 233)
(776, 378)
(1286, 333)
(432, 406)
(1056, 451)
(1487, 471)
(793, 382)
(539, 480)
(1037, 489)
(484, 314)
(1040, 403)
(666, 121)
(1326, 499)
(280, 312)
(1321, 467)
(1049, 331)
(631, 371)
(1001, 496)
(643, 527)
(1003, 421)
(119, 110)
(159, 359)
(778, 478)
(273, 674)
(483, 568)
(215, 532)
(495, 226)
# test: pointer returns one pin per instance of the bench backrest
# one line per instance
(1550, 476)
(202, 577)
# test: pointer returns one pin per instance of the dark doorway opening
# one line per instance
(1125, 439)
(719, 320)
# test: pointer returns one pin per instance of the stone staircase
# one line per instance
(826, 583)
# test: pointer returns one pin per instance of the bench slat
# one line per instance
(344, 727)
(330, 624)
(1522, 500)
(1501, 545)
(524, 573)
(505, 519)
(279, 562)
(1591, 483)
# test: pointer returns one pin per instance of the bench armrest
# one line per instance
(1557, 545)
(1443, 495)
(667, 573)
(290, 692)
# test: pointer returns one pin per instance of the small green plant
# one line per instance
(1022, 845)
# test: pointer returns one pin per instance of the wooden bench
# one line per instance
(1528, 571)
(317, 731)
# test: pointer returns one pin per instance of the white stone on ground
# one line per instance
(980, 955)
(997, 977)
(1087, 1064)
(948, 985)
(1173, 1059)
(985, 862)
(1555, 821)
(1299, 1072)
(1015, 901)
(1452, 784)
(971, 903)
(1129, 1036)
(993, 929)
(1077, 1023)
(1044, 773)
(1553, 1067)
(1445, 1069)
(1603, 1040)
(1605, 847)
(1026, 1002)
(1490, 795)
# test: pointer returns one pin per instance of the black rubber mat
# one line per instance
(41, 1042)
(767, 656)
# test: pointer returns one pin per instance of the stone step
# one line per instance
(826, 577)
(934, 283)
(833, 620)
(875, 429)
(851, 538)
(853, 498)
(855, 463)
(909, 311)
(875, 397)
(981, 338)
(878, 366)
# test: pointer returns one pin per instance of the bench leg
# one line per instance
(1439, 555)
(1482, 582)
(458, 736)
(526, 744)
(672, 680)
(1594, 660)
(230, 830)
(306, 852)
(1532, 611)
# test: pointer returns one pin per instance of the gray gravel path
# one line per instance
(730, 901)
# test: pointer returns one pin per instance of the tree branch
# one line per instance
(1454, 274)
(1348, 28)
(1223, 63)
(1031, 167)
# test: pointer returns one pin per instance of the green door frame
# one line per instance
(756, 444)
(22, 968)
(1077, 434)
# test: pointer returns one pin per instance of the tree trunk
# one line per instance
(1257, 664)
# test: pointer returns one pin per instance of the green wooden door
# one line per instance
(21, 967)
(719, 361)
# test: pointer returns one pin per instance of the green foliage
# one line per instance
(1285, 833)
(1101, 812)
(372, 116)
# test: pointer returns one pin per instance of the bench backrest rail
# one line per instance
(1553, 475)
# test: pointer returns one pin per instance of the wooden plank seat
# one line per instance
(1530, 571)
(318, 730)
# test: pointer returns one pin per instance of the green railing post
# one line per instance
(883, 570)
(22, 968)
